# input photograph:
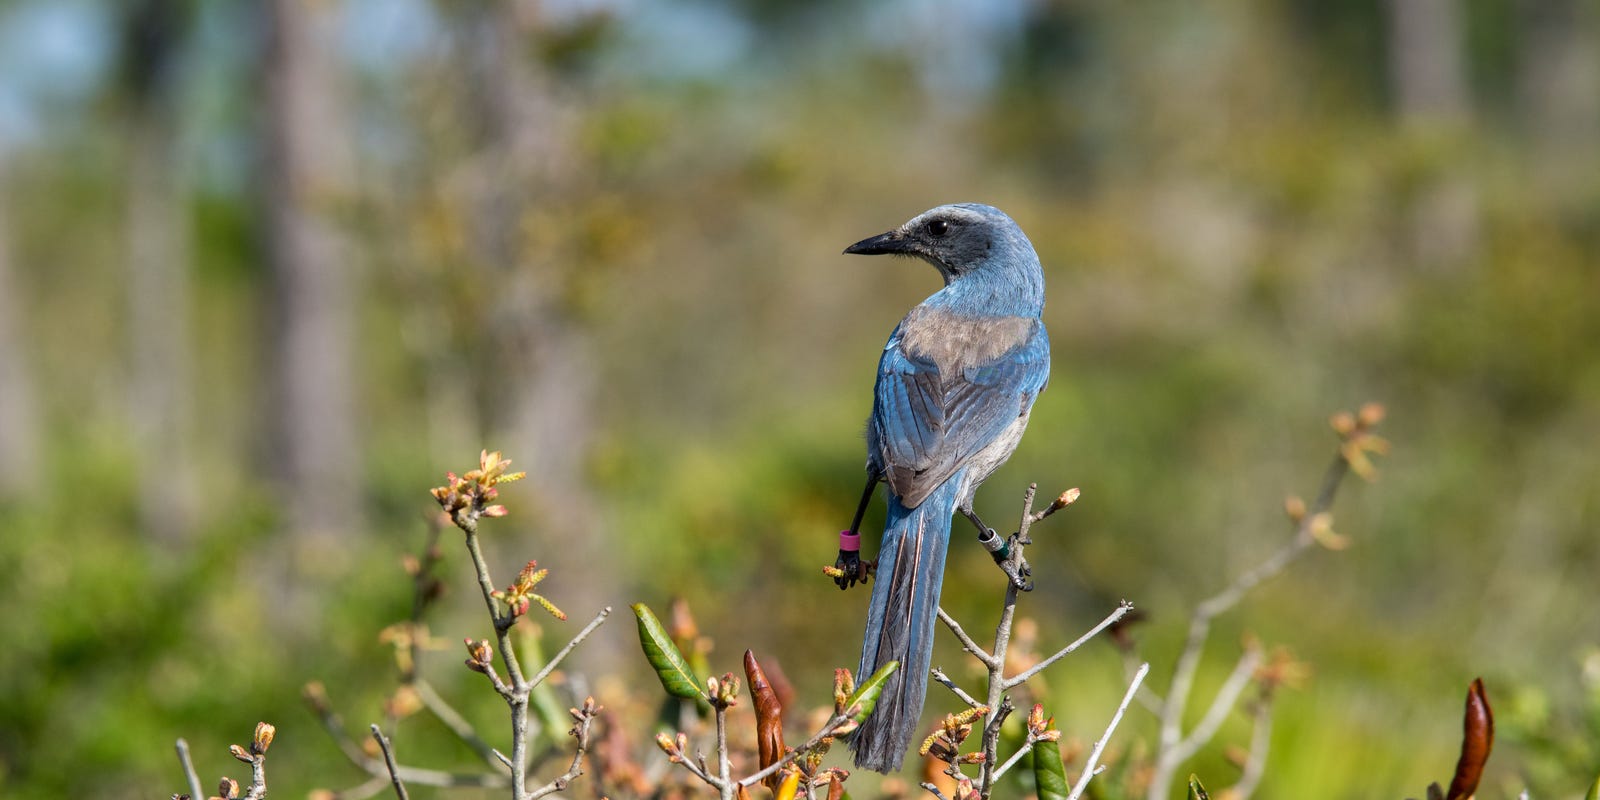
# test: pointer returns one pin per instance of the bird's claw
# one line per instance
(850, 569)
(1020, 575)
(1016, 569)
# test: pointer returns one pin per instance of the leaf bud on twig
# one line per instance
(262, 738)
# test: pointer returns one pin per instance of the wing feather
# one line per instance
(926, 424)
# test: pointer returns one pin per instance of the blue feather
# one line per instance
(955, 386)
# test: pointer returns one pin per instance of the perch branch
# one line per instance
(189, 775)
(388, 762)
(1089, 767)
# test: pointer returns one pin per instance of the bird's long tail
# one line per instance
(905, 601)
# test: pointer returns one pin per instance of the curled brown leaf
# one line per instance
(769, 718)
(1477, 739)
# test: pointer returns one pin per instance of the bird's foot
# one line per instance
(1020, 574)
(1012, 564)
(849, 569)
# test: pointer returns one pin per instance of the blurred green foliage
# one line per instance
(1242, 228)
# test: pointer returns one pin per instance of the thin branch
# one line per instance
(502, 622)
(580, 732)
(1026, 748)
(459, 725)
(934, 790)
(700, 772)
(967, 643)
(1066, 498)
(388, 761)
(1089, 768)
(723, 766)
(1255, 766)
(810, 744)
(517, 698)
(1221, 706)
(576, 640)
(189, 775)
(365, 789)
(938, 675)
(1122, 610)
(415, 775)
(1183, 674)
(519, 745)
(998, 704)
(258, 778)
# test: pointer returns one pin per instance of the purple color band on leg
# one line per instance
(849, 541)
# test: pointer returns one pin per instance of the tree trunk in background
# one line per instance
(1426, 74)
(543, 355)
(160, 395)
(1428, 83)
(1559, 88)
(19, 419)
(306, 167)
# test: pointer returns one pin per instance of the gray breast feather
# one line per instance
(989, 459)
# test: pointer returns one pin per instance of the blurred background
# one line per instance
(267, 270)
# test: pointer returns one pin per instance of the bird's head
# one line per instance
(957, 239)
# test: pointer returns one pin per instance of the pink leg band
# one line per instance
(849, 541)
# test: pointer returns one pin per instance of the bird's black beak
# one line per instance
(892, 242)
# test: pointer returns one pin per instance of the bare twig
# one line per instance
(365, 789)
(258, 778)
(997, 702)
(517, 695)
(388, 761)
(414, 775)
(1089, 767)
(1221, 706)
(723, 766)
(934, 790)
(938, 675)
(1002, 639)
(1122, 610)
(1255, 765)
(699, 771)
(810, 744)
(189, 775)
(967, 643)
(580, 732)
(1026, 748)
(1169, 756)
(576, 640)
(452, 719)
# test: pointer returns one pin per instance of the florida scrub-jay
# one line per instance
(954, 389)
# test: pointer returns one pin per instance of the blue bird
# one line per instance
(955, 386)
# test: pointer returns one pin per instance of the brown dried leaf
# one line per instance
(769, 718)
(1477, 739)
(780, 682)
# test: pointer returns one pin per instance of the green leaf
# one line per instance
(1049, 774)
(664, 656)
(866, 695)
(1594, 791)
(1196, 791)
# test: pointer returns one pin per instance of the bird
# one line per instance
(955, 386)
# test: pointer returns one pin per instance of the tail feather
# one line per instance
(900, 621)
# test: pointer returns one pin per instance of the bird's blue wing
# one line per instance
(925, 424)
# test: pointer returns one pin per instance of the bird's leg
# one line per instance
(849, 562)
(1000, 547)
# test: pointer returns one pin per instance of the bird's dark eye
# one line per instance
(938, 227)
